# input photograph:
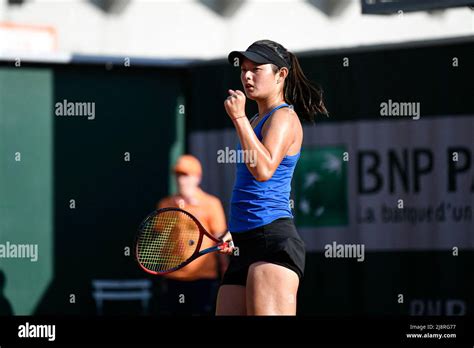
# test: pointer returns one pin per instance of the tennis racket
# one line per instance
(169, 239)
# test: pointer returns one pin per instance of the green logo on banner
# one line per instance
(320, 187)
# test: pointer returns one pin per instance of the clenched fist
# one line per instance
(235, 104)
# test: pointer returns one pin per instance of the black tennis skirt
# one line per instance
(277, 242)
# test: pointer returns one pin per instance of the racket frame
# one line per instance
(197, 253)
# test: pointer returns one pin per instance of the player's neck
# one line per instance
(266, 105)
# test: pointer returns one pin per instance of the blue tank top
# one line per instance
(254, 203)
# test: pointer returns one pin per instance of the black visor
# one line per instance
(259, 54)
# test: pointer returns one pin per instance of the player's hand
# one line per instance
(229, 249)
(235, 104)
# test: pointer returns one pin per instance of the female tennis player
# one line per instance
(263, 277)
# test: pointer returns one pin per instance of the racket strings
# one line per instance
(167, 240)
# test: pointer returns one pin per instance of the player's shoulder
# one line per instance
(283, 117)
(285, 113)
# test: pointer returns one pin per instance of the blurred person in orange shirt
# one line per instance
(193, 289)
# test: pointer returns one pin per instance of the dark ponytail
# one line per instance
(306, 97)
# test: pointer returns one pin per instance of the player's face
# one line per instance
(258, 80)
